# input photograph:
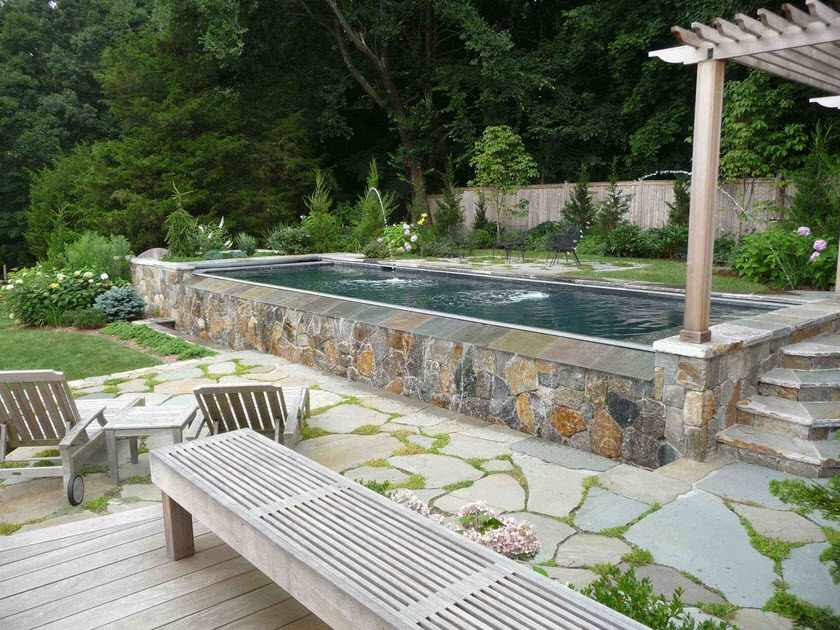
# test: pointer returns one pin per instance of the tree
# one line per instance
(678, 209)
(580, 209)
(502, 166)
(612, 209)
(449, 213)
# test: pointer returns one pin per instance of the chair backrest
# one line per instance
(260, 407)
(565, 240)
(36, 405)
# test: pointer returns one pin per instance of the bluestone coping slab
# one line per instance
(699, 534)
(604, 510)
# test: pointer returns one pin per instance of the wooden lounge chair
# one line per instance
(267, 408)
(37, 409)
(565, 243)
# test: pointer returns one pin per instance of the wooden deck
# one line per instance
(112, 572)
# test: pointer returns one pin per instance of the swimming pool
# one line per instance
(609, 313)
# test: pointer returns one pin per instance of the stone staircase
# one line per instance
(791, 423)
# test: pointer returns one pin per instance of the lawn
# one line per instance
(77, 355)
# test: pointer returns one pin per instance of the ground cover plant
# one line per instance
(158, 342)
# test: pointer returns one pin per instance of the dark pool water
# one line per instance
(620, 315)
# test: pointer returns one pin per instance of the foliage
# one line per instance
(443, 247)
(211, 238)
(372, 210)
(159, 343)
(678, 209)
(580, 209)
(288, 239)
(762, 136)
(180, 231)
(724, 247)
(504, 535)
(85, 318)
(322, 226)
(625, 593)
(246, 243)
(40, 295)
(401, 238)
(591, 245)
(77, 355)
(449, 214)
(503, 166)
(376, 249)
(611, 210)
(481, 222)
(121, 304)
(536, 236)
(785, 257)
(627, 241)
(670, 241)
(817, 199)
(810, 496)
(804, 614)
(92, 251)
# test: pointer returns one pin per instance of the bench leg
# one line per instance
(180, 542)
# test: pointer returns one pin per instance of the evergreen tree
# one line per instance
(481, 222)
(449, 212)
(580, 209)
(611, 211)
(678, 209)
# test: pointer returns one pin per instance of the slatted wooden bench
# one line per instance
(354, 558)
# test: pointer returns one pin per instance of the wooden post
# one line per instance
(708, 104)
(177, 522)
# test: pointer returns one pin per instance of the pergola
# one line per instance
(801, 46)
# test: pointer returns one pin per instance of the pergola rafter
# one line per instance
(802, 46)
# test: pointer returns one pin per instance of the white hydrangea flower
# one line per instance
(18, 281)
(104, 276)
(87, 274)
(77, 273)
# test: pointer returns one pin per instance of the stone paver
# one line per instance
(347, 418)
(438, 470)
(144, 491)
(473, 448)
(450, 504)
(604, 510)
(666, 580)
(552, 490)
(787, 526)
(690, 471)
(643, 485)
(587, 550)
(179, 375)
(808, 577)
(579, 578)
(427, 495)
(425, 418)
(745, 482)
(455, 426)
(563, 455)
(187, 386)
(379, 474)
(755, 619)
(116, 506)
(133, 386)
(550, 533)
(228, 367)
(340, 452)
(392, 404)
(500, 490)
(497, 465)
(698, 534)
(421, 440)
(318, 398)
(497, 433)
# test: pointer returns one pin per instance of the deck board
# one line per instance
(113, 572)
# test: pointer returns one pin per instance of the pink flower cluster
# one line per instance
(819, 244)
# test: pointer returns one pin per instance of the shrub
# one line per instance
(611, 210)
(181, 231)
(103, 253)
(85, 318)
(159, 343)
(580, 209)
(481, 222)
(400, 238)
(372, 210)
(323, 227)
(449, 213)
(376, 249)
(288, 239)
(211, 238)
(591, 245)
(39, 296)
(121, 304)
(679, 207)
(724, 247)
(537, 235)
(213, 254)
(439, 248)
(246, 244)
(670, 241)
(787, 257)
(817, 185)
(627, 240)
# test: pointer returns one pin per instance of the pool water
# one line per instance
(640, 317)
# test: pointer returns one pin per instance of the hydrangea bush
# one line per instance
(402, 237)
(40, 296)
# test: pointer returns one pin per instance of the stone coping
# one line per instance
(635, 363)
(225, 263)
(749, 331)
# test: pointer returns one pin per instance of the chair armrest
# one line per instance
(73, 434)
(194, 429)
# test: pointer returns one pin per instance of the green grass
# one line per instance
(368, 429)
(7, 529)
(458, 485)
(75, 354)
(98, 505)
(638, 557)
(307, 432)
(722, 611)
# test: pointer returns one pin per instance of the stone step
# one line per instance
(805, 420)
(801, 385)
(807, 458)
(820, 352)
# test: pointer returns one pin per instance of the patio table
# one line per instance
(138, 421)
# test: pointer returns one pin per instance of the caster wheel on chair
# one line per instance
(76, 490)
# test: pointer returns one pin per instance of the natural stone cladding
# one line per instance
(703, 383)
(590, 396)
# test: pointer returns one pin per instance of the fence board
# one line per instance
(648, 204)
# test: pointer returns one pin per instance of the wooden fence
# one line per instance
(648, 204)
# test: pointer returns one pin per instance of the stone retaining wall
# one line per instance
(479, 369)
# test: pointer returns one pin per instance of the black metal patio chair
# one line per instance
(464, 242)
(511, 241)
(564, 242)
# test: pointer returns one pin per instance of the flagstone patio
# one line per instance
(586, 509)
